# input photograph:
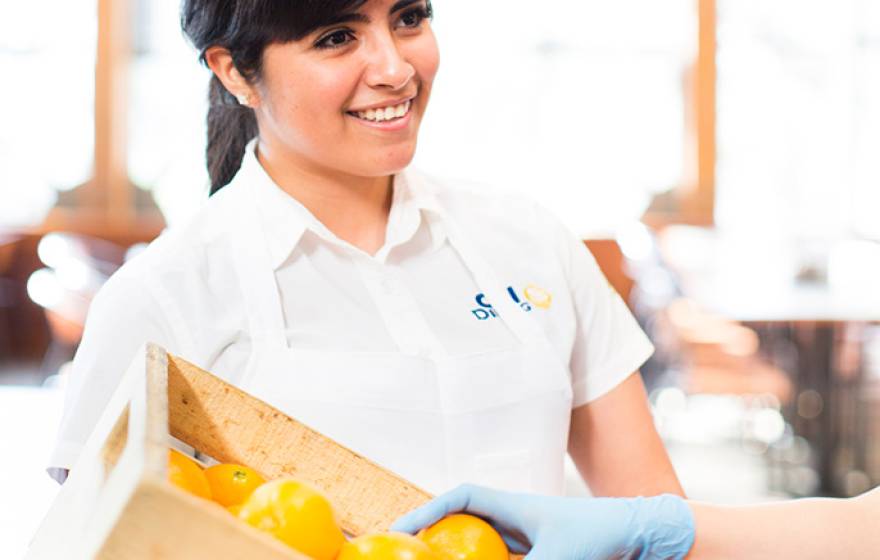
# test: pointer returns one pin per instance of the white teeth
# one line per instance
(386, 113)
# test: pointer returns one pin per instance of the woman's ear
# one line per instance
(220, 62)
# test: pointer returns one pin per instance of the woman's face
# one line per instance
(350, 97)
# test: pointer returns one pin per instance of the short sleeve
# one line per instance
(609, 345)
(123, 316)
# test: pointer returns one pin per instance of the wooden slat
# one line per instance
(231, 426)
(115, 442)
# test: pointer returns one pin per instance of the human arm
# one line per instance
(612, 438)
(816, 528)
(123, 316)
(666, 526)
(628, 459)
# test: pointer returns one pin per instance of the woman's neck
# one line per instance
(354, 208)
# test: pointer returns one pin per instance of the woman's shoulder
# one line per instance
(457, 192)
(181, 291)
(506, 215)
(191, 247)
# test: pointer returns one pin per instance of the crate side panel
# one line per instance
(161, 521)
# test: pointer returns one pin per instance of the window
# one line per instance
(578, 103)
(166, 112)
(799, 117)
(47, 57)
(866, 185)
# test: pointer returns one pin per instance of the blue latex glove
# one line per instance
(556, 528)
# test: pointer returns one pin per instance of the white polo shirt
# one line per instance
(413, 296)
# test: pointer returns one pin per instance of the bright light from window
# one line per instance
(577, 102)
(44, 289)
(799, 117)
(47, 58)
(166, 152)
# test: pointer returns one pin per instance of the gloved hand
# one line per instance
(557, 528)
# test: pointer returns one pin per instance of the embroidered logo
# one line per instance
(532, 296)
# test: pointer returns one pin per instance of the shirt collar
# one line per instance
(415, 204)
(282, 218)
(285, 220)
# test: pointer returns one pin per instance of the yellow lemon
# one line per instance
(465, 537)
(296, 514)
(386, 546)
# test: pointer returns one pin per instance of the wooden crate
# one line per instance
(117, 503)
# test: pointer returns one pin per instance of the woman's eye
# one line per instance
(336, 39)
(414, 17)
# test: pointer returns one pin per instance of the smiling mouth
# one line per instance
(384, 114)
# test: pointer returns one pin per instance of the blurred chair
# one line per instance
(7, 292)
(722, 356)
(76, 266)
(653, 288)
(699, 351)
(610, 259)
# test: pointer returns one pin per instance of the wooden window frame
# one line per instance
(109, 205)
(693, 202)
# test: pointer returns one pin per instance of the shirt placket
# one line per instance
(399, 309)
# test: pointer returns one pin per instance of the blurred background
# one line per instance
(720, 158)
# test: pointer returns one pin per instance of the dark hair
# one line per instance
(245, 28)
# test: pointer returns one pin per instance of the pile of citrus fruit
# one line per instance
(301, 517)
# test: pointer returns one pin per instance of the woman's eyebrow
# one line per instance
(351, 15)
(346, 18)
(355, 16)
(401, 4)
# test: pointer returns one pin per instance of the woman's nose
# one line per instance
(387, 66)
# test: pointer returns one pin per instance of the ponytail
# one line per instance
(230, 127)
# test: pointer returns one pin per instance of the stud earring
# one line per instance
(243, 99)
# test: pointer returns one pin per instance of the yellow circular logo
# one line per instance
(539, 297)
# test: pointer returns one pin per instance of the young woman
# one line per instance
(666, 527)
(450, 335)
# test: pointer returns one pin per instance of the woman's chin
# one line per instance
(392, 161)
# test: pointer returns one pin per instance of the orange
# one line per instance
(232, 484)
(386, 546)
(464, 537)
(187, 474)
(296, 514)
